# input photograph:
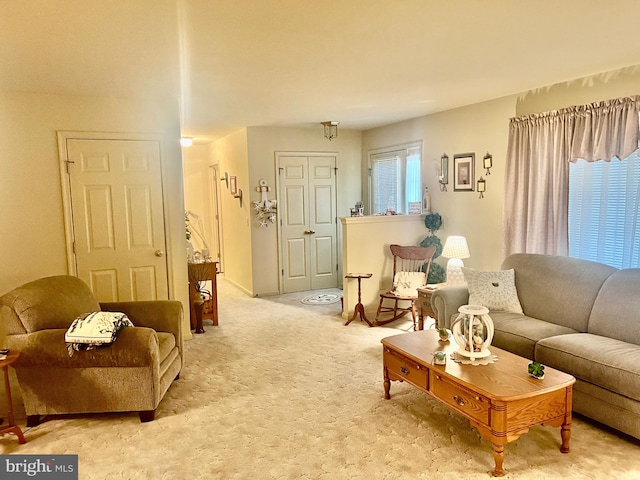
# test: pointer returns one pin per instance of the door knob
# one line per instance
(159, 253)
(309, 232)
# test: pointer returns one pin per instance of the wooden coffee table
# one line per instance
(501, 400)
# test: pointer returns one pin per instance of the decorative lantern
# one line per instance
(473, 331)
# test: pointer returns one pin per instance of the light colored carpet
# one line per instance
(281, 390)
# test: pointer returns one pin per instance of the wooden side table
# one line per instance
(11, 426)
(210, 308)
(424, 304)
(359, 309)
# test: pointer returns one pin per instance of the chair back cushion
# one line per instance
(50, 302)
(406, 284)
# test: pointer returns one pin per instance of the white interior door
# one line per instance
(308, 222)
(118, 217)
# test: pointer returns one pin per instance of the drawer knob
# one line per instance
(458, 400)
(404, 371)
(438, 377)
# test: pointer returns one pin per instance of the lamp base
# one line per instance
(454, 272)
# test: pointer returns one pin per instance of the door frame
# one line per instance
(216, 211)
(279, 154)
(65, 181)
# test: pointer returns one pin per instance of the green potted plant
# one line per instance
(433, 222)
(443, 333)
(536, 370)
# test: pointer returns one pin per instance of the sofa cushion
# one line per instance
(495, 290)
(609, 363)
(557, 289)
(616, 311)
(518, 333)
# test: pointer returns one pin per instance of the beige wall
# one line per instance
(32, 239)
(479, 129)
(231, 155)
(250, 252)
(365, 249)
(264, 142)
(197, 188)
(604, 86)
(483, 128)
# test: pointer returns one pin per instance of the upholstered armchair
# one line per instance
(131, 374)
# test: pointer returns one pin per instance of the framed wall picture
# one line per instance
(233, 185)
(463, 179)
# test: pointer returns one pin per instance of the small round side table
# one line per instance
(359, 309)
(11, 426)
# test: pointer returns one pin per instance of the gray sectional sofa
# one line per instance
(580, 317)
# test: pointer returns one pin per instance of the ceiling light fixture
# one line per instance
(330, 129)
(186, 141)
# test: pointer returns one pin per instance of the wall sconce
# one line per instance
(482, 186)
(443, 178)
(487, 163)
(225, 179)
(330, 130)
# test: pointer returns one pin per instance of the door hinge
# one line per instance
(282, 272)
(68, 162)
(280, 170)
(369, 172)
(73, 247)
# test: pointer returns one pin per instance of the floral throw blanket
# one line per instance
(95, 329)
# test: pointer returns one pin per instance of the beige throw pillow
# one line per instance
(495, 290)
(406, 284)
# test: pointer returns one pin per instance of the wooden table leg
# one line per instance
(565, 433)
(498, 457)
(359, 309)
(387, 384)
(11, 427)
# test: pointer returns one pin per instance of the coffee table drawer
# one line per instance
(406, 369)
(467, 402)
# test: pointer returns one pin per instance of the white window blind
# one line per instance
(604, 211)
(395, 179)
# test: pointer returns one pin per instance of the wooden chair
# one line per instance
(405, 259)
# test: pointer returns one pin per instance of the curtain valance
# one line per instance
(597, 131)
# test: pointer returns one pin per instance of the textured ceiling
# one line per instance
(365, 63)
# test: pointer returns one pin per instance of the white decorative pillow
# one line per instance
(406, 284)
(495, 290)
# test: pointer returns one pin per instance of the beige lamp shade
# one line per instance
(455, 249)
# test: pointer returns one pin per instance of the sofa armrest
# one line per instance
(445, 302)
(160, 315)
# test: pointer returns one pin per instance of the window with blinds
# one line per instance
(604, 211)
(395, 179)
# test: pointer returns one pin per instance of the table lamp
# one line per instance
(455, 249)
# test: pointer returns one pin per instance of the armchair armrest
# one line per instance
(160, 315)
(445, 302)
